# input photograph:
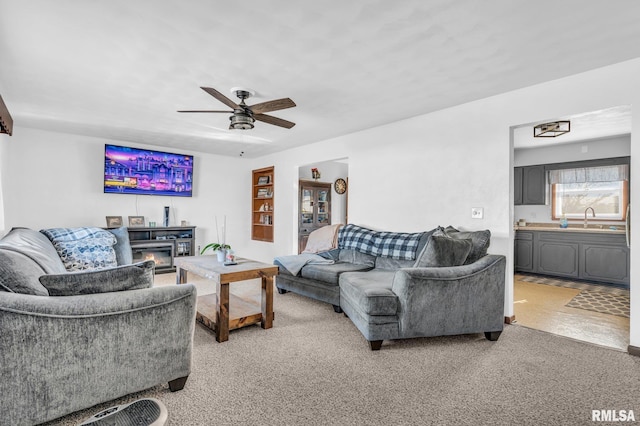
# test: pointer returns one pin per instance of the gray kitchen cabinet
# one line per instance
(533, 185)
(598, 257)
(517, 186)
(523, 252)
(604, 262)
(529, 185)
(557, 255)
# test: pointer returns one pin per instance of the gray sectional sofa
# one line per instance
(397, 286)
(70, 340)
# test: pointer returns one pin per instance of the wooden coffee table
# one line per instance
(221, 311)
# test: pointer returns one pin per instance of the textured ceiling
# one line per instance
(120, 68)
(589, 125)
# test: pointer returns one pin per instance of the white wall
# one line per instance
(4, 141)
(56, 180)
(619, 146)
(430, 170)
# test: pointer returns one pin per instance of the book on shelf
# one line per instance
(264, 193)
(266, 219)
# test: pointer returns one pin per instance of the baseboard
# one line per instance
(633, 350)
(510, 320)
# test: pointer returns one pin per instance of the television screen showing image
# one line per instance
(147, 172)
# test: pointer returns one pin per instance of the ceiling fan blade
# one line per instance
(272, 105)
(274, 120)
(226, 112)
(219, 96)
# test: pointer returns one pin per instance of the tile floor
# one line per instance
(542, 307)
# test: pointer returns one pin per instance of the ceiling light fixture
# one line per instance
(240, 120)
(551, 130)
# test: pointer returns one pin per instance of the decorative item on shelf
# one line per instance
(165, 219)
(114, 221)
(564, 223)
(315, 174)
(263, 180)
(264, 207)
(230, 258)
(551, 130)
(136, 221)
(340, 185)
(220, 248)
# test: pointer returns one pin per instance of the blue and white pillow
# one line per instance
(82, 249)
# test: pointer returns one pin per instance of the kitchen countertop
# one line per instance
(595, 229)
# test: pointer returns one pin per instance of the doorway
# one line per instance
(590, 310)
(321, 201)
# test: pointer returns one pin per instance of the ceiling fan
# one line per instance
(245, 115)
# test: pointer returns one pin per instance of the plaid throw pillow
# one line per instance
(357, 238)
(73, 234)
(396, 245)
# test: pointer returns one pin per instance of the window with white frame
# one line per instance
(603, 188)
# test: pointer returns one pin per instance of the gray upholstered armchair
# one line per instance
(69, 341)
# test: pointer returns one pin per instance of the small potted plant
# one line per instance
(220, 249)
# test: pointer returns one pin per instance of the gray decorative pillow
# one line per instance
(480, 240)
(124, 256)
(19, 274)
(121, 278)
(443, 251)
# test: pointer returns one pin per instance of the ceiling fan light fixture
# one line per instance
(551, 130)
(241, 121)
(245, 115)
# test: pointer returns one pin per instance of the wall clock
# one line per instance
(340, 186)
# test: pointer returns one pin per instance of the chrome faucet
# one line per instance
(593, 213)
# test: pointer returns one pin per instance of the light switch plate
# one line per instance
(477, 212)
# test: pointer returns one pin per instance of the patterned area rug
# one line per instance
(605, 299)
(605, 303)
(580, 285)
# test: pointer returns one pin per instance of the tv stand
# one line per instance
(162, 244)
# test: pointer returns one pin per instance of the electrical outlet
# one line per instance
(477, 212)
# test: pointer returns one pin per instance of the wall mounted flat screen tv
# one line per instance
(146, 172)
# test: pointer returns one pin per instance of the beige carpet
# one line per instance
(315, 368)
